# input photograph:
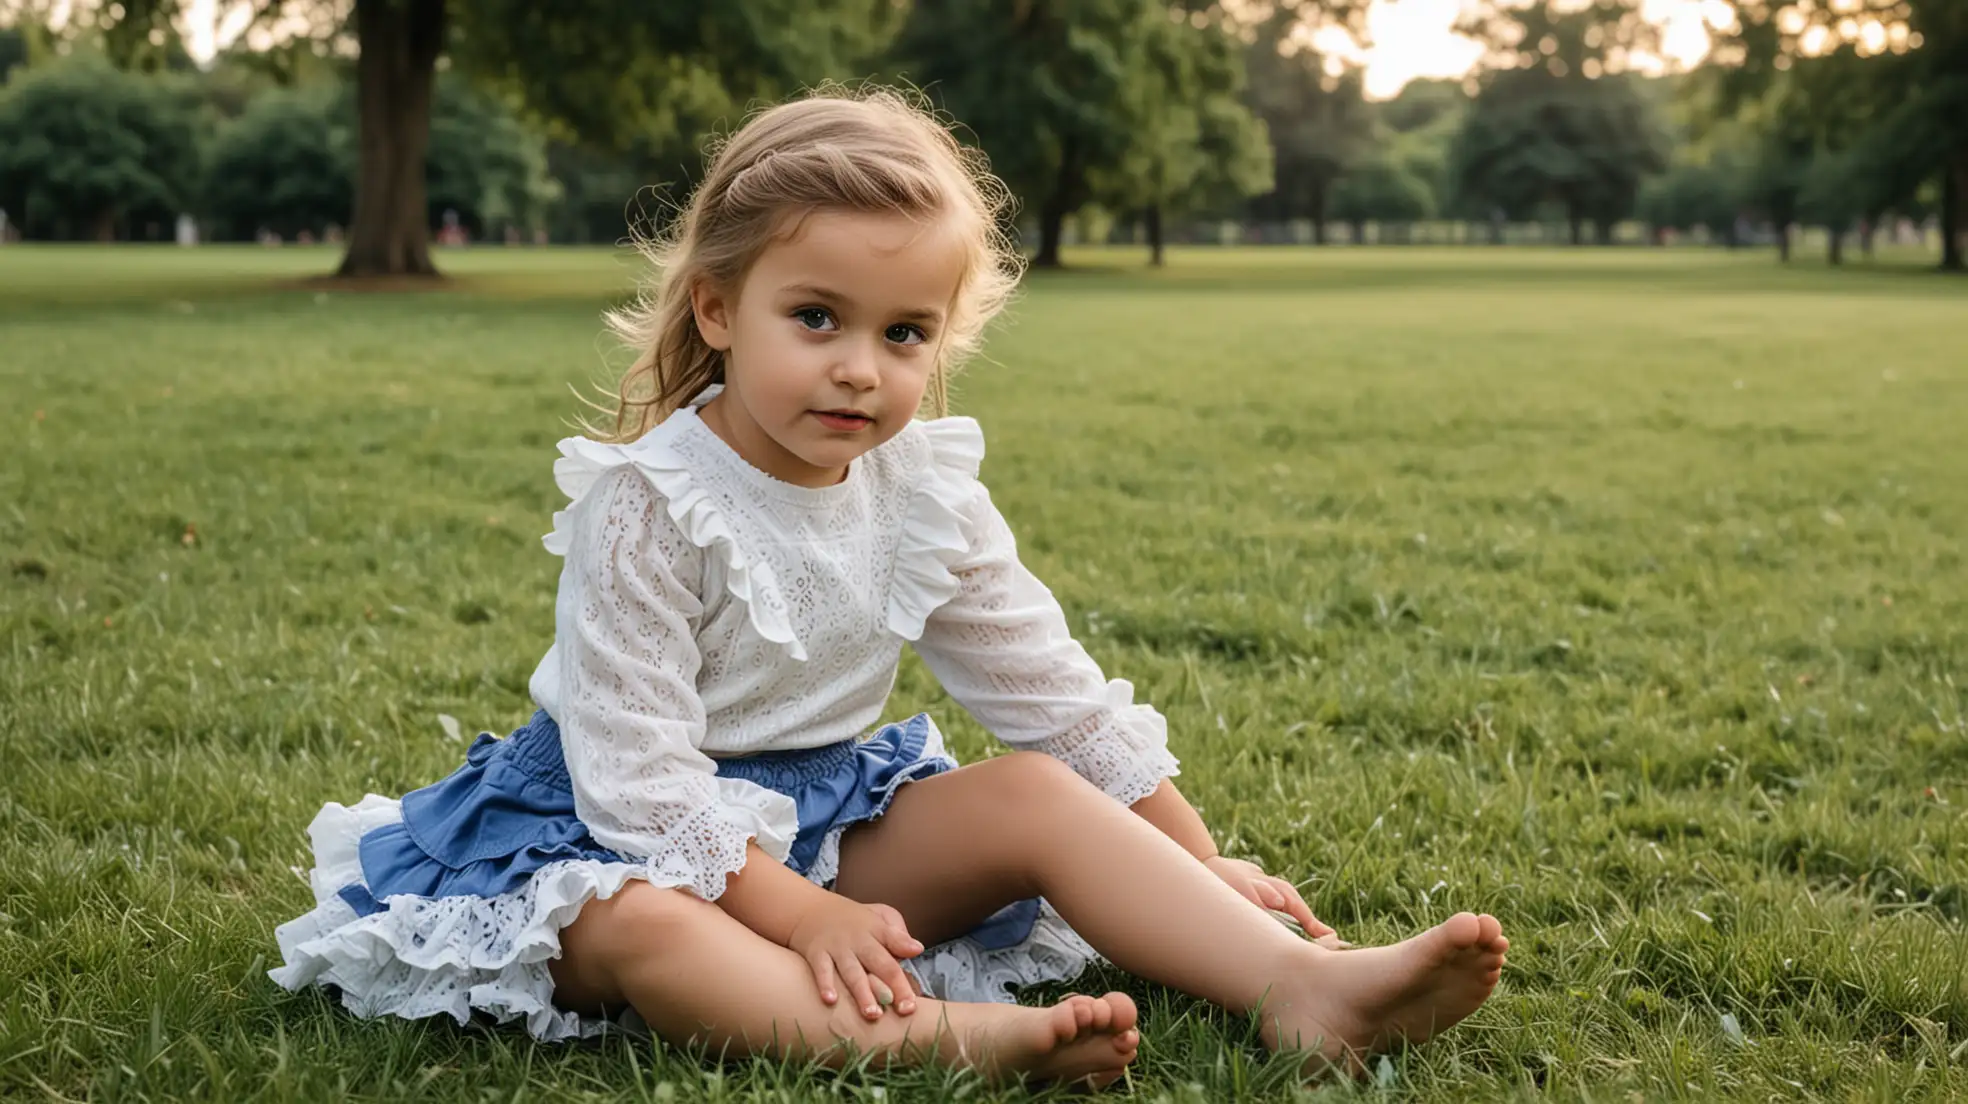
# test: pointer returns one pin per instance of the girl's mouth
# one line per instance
(844, 421)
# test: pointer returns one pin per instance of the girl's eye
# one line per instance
(814, 318)
(905, 334)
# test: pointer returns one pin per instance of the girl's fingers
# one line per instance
(855, 981)
(825, 977)
(900, 943)
(1300, 911)
(896, 980)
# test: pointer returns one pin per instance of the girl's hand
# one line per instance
(856, 946)
(1264, 891)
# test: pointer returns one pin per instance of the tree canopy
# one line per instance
(1173, 113)
(86, 148)
(1556, 122)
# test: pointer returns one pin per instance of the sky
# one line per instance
(1416, 38)
(1410, 38)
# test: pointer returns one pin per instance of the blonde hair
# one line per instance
(870, 150)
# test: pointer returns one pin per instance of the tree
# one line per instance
(1798, 125)
(1195, 144)
(484, 164)
(1912, 89)
(1048, 89)
(1424, 106)
(1700, 190)
(600, 70)
(1381, 189)
(286, 165)
(1782, 153)
(1416, 135)
(1556, 120)
(1317, 118)
(15, 51)
(1832, 193)
(84, 146)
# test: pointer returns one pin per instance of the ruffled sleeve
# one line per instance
(692, 509)
(935, 528)
(630, 717)
(998, 641)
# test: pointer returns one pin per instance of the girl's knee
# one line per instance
(612, 933)
(1036, 776)
(640, 913)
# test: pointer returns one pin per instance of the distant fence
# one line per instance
(1102, 231)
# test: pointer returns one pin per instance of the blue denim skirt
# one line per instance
(509, 810)
(450, 900)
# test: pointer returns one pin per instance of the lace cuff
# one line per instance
(706, 845)
(1123, 749)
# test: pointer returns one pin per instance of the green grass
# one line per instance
(1618, 593)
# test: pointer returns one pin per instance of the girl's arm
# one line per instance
(624, 690)
(769, 898)
(1168, 810)
(998, 641)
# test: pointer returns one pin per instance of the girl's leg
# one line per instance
(954, 848)
(698, 976)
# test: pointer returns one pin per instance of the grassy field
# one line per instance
(1618, 593)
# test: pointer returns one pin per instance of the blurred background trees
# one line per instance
(1145, 121)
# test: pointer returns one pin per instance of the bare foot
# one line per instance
(1080, 1040)
(1348, 1005)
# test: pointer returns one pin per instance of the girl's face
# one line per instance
(830, 340)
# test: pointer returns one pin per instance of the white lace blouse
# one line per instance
(707, 610)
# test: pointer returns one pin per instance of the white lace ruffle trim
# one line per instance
(422, 957)
(933, 531)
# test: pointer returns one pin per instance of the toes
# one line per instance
(1125, 1014)
(1102, 1015)
(1488, 929)
(1086, 1013)
(1464, 929)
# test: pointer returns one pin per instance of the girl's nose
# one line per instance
(857, 369)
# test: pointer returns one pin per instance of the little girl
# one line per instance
(695, 832)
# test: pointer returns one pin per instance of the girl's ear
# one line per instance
(712, 311)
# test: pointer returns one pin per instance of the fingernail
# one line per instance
(873, 1011)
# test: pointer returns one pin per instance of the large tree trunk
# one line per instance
(1052, 227)
(1065, 199)
(1154, 221)
(1577, 222)
(400, 41)
(1835, 244)
(1783, 242)
(1954, 198)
